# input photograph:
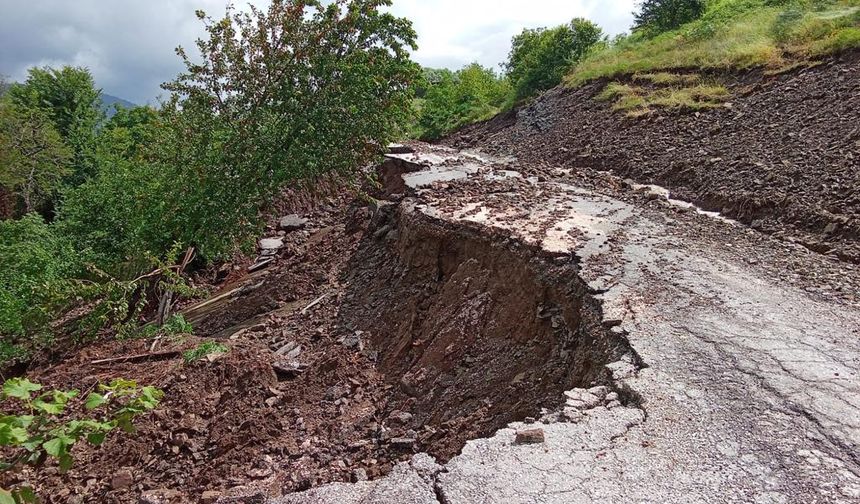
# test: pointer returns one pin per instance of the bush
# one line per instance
(540, 58)
(658, 16)
(35, 265)
(454, 99)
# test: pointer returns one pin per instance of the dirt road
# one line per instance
(728, 369)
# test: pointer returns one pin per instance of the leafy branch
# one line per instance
(41, 431)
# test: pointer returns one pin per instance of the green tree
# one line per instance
(454, 99)
(540, 58)
(33, 157)
(658, 16)
(290, 92)
(72, 103)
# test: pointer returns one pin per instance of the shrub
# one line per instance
(35, 265)
(658, 16)
(44, 431)
(540, 58)
(455, 99)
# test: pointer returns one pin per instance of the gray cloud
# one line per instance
(129, 45)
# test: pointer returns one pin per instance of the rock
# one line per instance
(353, 341)
(287, 370)
(530, 436)
(359, 475)
(271, 243)
(400, 417)
(160, 496)
(292, 223)
(336, 392)
(573, 415)
(400, 149)
(402, 443)
(290, 351)
(210, 497)
(122, 479)
(582, 399)
(599, 391)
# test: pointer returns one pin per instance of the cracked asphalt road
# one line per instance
(750, 390)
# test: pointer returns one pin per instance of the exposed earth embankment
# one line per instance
(781, 153)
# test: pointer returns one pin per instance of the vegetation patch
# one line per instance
(50, 423)
(205, 350)
(731, 34)
(686, 93)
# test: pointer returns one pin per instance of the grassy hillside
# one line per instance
(777, 34)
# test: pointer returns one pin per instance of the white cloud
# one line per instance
(128, 44)
(453, 33)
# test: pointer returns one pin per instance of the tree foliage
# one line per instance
(33, 157)
(72, 103)
(539, 58)
(453, 99)
(291, 92)
(658, 16)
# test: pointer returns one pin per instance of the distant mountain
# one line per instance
(108, 102)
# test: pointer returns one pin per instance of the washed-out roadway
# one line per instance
(740, 387)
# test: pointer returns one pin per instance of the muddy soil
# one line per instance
(376, 334)
(782, 156)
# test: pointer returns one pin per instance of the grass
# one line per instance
(667, 78)
(204, 350)
(686, 94)
(732, 34)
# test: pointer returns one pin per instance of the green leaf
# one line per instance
(96, 438)
(20, 388)
(27, 495)
(95, 400)
(66, 462)
(48, 407)
(12, 436)
(56, 447)
(6, 497)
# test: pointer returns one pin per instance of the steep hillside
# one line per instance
(778, 152)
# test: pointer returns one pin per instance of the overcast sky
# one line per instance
(128, 44)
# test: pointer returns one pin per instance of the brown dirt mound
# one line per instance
(783, 155)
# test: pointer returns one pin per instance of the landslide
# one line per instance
(782, 154)
(377, 332)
